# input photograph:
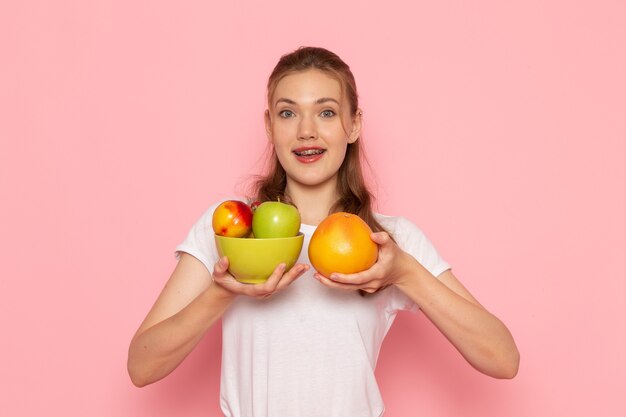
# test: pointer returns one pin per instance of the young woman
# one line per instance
(302, 344)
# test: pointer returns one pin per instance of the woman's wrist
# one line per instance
(409, 271)
(216, 292)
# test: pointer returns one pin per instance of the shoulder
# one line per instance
(400, 227)
(204, 222)
(414, 241)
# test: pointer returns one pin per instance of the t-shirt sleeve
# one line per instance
(413, 241)
(200, 242)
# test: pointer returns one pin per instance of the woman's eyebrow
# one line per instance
(318, 101)
(325, 99)
(284, 100)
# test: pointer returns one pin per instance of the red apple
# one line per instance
(232, 218)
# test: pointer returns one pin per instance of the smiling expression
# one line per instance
(310, 125)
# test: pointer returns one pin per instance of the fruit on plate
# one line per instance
(273, 219)
(341, 243)
(232, 218)
(252, 261)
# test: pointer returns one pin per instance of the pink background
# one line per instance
(498, 128)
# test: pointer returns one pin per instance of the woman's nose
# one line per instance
(307, 129)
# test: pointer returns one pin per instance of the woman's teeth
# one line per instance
(309, 152)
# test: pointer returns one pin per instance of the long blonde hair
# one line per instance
(354, 195)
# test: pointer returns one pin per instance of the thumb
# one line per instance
(221, 266)
(380, 238)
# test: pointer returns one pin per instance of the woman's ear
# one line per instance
(268, 125)
(355, 133)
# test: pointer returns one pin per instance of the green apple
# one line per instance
(273, 219)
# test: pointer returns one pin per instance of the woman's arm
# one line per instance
(190, 303)
(186, 308)
(482, 339)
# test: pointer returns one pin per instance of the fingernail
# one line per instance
(334, 276)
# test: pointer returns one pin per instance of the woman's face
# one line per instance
(310, 126)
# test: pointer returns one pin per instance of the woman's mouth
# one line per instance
(308, 155)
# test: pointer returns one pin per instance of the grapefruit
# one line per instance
(342, 243)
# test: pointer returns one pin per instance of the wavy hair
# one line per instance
(354, 195)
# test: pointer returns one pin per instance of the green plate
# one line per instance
(253, 260)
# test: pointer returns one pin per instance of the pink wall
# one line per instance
(499, 128)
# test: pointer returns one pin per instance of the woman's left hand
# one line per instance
(392, 266)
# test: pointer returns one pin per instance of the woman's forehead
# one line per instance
(307, 86)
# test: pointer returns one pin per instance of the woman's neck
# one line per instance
(313, 202)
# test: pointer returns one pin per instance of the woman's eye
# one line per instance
(286, 113)
(327, 113)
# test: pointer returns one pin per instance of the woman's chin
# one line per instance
(313, 180)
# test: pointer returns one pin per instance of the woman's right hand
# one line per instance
(276, 282)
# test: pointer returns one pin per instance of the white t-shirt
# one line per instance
(308, 350)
